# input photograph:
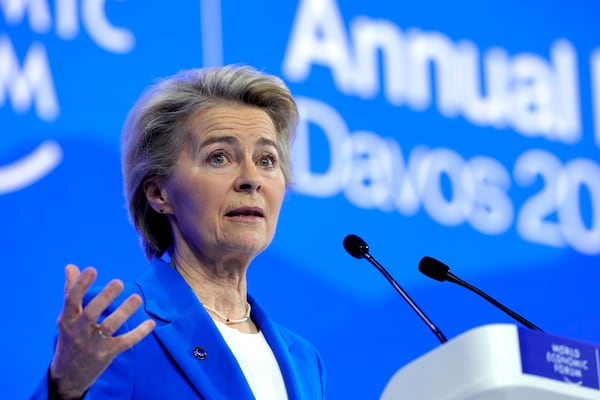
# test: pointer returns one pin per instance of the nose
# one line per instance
(249, 179)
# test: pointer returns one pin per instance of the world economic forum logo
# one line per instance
(28, 85)
(27, 82)
(31, 168)
(26, 78)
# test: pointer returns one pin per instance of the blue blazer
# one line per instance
(164, 365)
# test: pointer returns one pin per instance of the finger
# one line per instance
(74, 295)
(71, 274)
(102, 300)
(118, 317)
(131, 338)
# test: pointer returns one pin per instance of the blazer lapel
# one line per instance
(292, 366)
(188, 327)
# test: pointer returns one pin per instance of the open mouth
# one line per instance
(246, 212)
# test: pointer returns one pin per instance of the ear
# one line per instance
(156, 196)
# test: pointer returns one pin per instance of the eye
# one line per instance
(268, 161)
(217, 158)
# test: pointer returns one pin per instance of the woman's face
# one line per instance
(227, 187)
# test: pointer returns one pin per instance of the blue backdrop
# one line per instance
(464, 130)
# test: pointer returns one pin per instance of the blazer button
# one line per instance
(199, 352)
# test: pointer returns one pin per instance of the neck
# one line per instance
(220, 287)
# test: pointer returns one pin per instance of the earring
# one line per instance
(161, 210)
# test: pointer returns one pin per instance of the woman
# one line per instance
(206, 161)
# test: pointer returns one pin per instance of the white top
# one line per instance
(257, 361)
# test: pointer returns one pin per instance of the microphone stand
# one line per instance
(436, 331)
(455, 279)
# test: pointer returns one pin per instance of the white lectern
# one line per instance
(501, 362)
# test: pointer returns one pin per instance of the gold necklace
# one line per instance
(228, 320)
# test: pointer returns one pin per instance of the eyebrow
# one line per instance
(232, 140)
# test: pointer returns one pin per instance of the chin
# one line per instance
(252, 243)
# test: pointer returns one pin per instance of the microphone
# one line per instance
(439, 271)
(358, 248)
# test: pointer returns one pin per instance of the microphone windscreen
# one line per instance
(433, 268)
(355, 246)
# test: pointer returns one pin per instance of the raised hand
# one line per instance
(85, 348)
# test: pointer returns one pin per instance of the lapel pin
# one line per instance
(199, 352)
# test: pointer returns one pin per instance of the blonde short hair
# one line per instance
(154, 132)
